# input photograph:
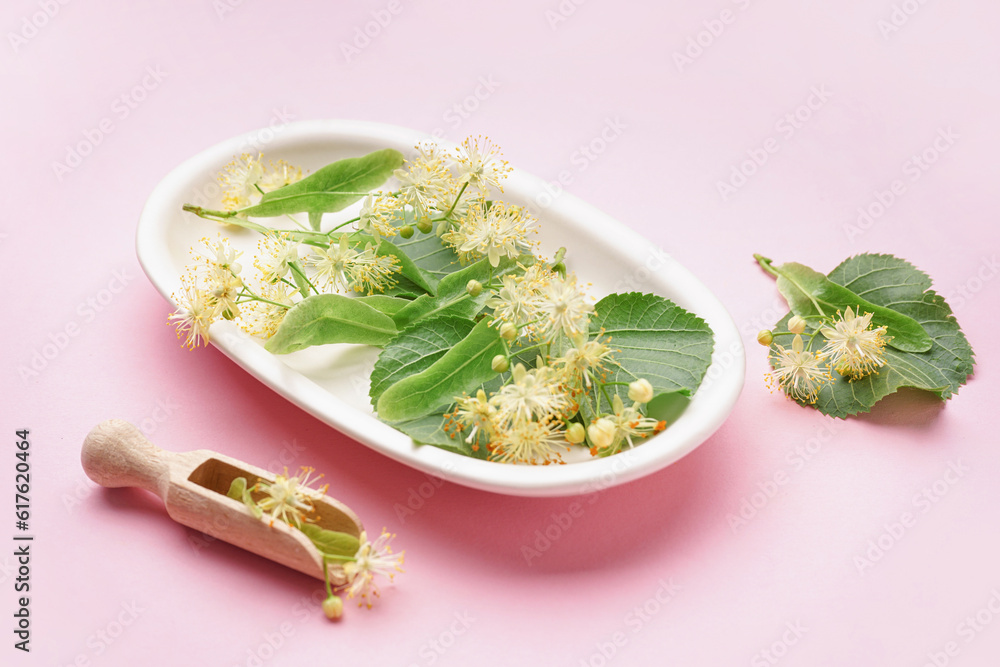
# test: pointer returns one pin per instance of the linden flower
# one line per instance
(565, 306)
(372, 559)
(533, 393)
(585, 360)
(194, 315)
(533, 442)
(279, 175)
(480, 164)
(376, 215)
(343, 267)
(276, 252)
(515, 302)
(220, 255)
(476, 412)
(224, 287)
(427, 180)
(494, 232)
(239, 180)
(852, 346)
(289, 499)
(610, 432)
(799, 372)
(262, 319)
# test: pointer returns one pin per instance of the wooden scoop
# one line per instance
(193, 486)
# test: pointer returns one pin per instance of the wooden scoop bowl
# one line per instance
(193, 486)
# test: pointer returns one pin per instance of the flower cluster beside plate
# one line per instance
(331, 381)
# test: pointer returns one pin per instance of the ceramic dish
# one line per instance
(331, 381)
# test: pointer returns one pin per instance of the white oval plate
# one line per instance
(331, 381)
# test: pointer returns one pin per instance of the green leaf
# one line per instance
(654, 339)
(451, 297)
(418, 276)
(415, 349)
(330, 318)
(390, 305)
(238, 491)
(894, 283)
(810, 294)
(331, 188)
(461, 369)
(429, 430)
(430, 253)
(331, 542)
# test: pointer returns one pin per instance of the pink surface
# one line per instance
(649, 573)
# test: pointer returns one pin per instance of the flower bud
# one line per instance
(333, 607)
(508, 331)
(406, 231)
(602, 433)
(796, 324)
(640, 391)
(765, 337)
(576, 433)
(474, 288)
(500, 363)
(425, 225)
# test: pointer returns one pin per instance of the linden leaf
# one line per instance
(893, 283)
(331, 542)
(459, 370)
(654, 339)
(331, 188)
(810, 294)
(451, 297)
(415, 348)
(330, 318)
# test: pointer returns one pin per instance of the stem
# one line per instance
(209, 214)
(295, 267)
(343, 224)
(765, 264)
(457, 197)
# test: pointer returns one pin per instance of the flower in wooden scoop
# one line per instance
(373, 559)
(289, 499)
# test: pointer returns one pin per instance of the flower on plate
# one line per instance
(276, 253)
(536, 393)
(532, 442)
(853, 347)
(193, 317)
(279, 175)
(610, 432)
(584, 361)
(799, 372)
(239, 180)
(372, 559)
(494, 231)
(289, 498)
(262, 319)
(476, 412)
(480, 164)
(427, 180)
(344, 267)
(566, 307)
(377, 215)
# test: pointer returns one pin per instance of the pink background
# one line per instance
(469, 595)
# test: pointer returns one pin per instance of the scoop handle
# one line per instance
(116, 453)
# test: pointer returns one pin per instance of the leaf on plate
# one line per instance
(452, 298)
(331, 542)
(407, 267)
(654, 339)
(330, 318)
(894, 283)
(429, 430)
(390, 305)
(430, 253)
(460, 370)
(810, 294)
(331, 188)
(415, 349)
